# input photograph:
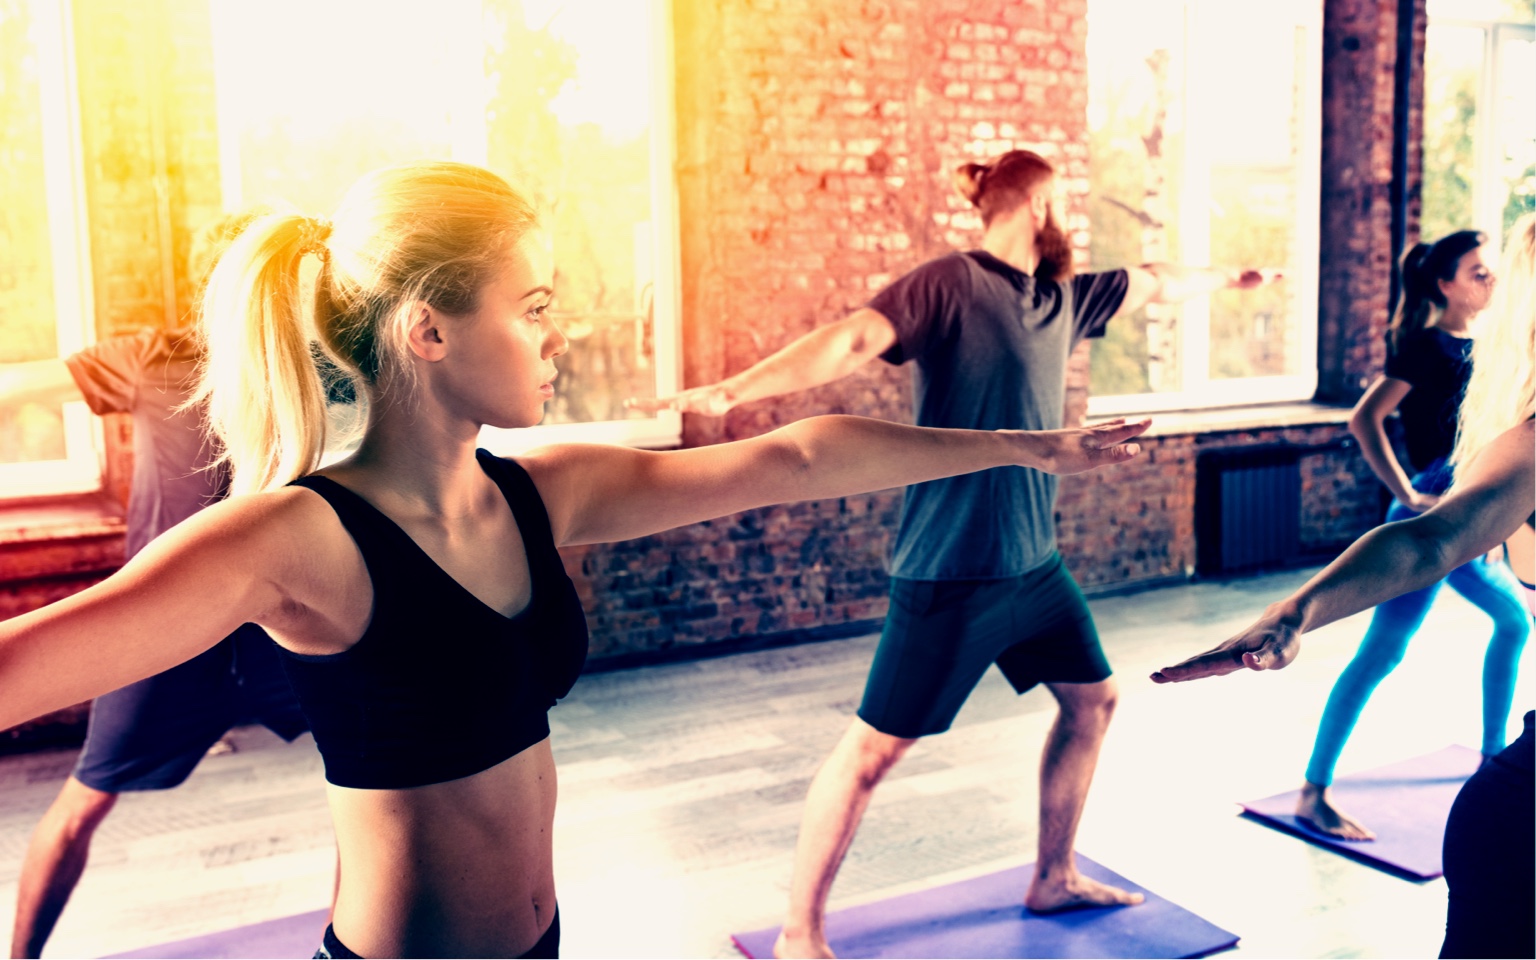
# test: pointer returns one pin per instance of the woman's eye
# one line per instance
(537, 313)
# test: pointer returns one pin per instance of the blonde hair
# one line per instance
(430, 232)
(1501, 391)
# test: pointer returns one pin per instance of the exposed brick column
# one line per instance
(1359, 58)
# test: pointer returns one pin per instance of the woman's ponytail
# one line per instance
(264, 397)
(1413, 304)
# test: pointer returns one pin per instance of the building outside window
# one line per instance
(569, 100)
(45, 283)
(1479, 116)
(1206, 150)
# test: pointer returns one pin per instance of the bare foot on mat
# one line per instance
(1070, 890)
(1314, 807)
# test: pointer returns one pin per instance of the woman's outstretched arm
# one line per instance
(183, 593)
(601, 493)
(1493, 496)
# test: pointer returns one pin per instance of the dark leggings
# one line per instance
(548, 947)
(1490, 858)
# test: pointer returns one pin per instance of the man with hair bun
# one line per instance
(976, 577)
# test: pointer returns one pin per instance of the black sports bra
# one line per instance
(440, 686)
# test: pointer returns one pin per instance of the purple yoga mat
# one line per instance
(288, 937)
(985, 917)
(1404, 804)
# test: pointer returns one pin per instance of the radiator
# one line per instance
(1247, 509)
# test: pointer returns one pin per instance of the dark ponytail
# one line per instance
(1424, 266)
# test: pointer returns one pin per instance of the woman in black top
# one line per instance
(1445, 286)
(1490, 869)
(414, 586)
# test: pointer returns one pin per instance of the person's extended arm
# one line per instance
(179, 596)
(599, 493)
(1493, 496)
(1175, 283)
(1367, 424)
(825, 354)
(37, 381)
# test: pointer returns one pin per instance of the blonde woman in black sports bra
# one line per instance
(414, 587)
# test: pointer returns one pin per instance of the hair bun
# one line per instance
(967, 179)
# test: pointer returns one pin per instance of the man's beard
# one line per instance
(1055, 252)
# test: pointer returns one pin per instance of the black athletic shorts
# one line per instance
(151, 734)
(941, 635)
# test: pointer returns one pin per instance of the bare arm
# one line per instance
(1175, 283)
(1493, 496)
(600, 493)
(183, 593)
(1368, 426)
(825, 354)
(37, 381)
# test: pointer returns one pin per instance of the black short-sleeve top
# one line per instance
(1436, 365)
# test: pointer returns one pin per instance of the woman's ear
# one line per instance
(424, 332)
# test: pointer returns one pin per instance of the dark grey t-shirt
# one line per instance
(991, 346)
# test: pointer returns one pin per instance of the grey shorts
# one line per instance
(941, 635)
(151, 734)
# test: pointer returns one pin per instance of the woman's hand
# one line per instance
(1270, 644)
(1420, 502)
(1080, 449)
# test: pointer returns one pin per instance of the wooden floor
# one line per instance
(681, 788)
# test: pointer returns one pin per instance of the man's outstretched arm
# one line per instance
(1175, 283)
(825, 354)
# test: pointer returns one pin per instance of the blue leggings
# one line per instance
(1490, 587)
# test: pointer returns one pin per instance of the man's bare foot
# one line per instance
(1321, 815)
(1070, 890)
(787, 946)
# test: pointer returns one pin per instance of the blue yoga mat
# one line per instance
(1405, 805)
(985, 917)
(294, 937)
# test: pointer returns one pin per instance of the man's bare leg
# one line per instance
(839, 795)
(1066, 771)
(54, 861)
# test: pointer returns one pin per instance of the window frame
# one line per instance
(1488, 194)
(82, 468)
(1198, 389)
(664, 429)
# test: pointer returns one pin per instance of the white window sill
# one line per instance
(1260, 416)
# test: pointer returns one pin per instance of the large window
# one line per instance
(45, 302)
(1204, 119)
(1479, 116)
(567, 99)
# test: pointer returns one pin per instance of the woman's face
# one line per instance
(1470, 289)
(503, 367)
